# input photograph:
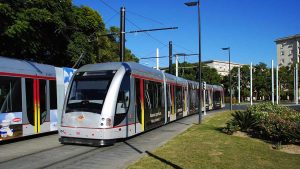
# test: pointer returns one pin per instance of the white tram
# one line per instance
(108, 101)
(31, 96)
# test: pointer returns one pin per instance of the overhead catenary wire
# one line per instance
(146, 18)
(140, 29)
(109, 6)
(109, 19)
(154, 57)
(133, 23)
(154, 52)
(183, 48)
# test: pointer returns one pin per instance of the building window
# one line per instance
(282, 52)
(282, 61)
(291, 51)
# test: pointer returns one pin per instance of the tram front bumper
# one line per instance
(85, 141)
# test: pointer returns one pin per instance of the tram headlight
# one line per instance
(108, 122)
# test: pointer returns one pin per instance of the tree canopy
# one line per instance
(56, 32)
(190, 71)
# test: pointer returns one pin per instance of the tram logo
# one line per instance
(16, 119)
(80, 118)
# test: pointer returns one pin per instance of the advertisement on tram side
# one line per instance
(10, 125)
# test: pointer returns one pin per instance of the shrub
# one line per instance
(271, 122)
(230, 128)
(277, 128)
(276, 123)
(242, 120)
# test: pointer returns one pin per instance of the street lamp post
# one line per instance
(197, 3)
(230, 90)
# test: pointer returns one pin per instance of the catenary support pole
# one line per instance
(272, 69)
(239, 84)
(157, 59)
(176, 60)
(295, 84)
(204, 99)
(170, 57)
(277, 87)
(251, 84)
(296, 72)
(122, 34)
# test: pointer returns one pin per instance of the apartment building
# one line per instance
(222, 66)
(288, 50)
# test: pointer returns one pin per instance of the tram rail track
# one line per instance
(47, 157)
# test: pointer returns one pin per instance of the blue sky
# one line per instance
(249, 27)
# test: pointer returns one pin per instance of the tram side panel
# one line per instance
(28, 104)
(25, 105)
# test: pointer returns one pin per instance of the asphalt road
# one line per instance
(47, 152)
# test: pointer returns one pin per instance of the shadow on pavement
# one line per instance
(134, 148)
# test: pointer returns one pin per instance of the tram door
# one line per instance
(36, 106)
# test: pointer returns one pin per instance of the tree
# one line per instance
(286, 82)
(55, 32)
(262, 81)
(190, 71)
(244, 81)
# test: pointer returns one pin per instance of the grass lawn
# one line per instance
(205, 146)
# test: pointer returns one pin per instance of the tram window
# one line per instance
(53, 95)
(153, 97)
(162, 100)
(88, 93)
(10, 94)
(169, 98)
(43, 99)
(217, 96)
(30, 100)
(138, 99)
(179, 97)
(123, 96)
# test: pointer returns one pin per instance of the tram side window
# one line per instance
(42, 100)
(123, 96)
(153, 95)
(194, 98)
(217, 96)
(53, 95)
(30, 100)
(162, 98)
(169, 101)
(10, 94)
(138, 99)
(179, 97)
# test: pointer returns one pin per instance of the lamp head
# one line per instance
(191, 3)
(226, 48)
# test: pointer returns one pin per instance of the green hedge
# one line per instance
(267, 121)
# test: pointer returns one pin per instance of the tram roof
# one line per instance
(134, 68)
(20, 67)
(139, 70)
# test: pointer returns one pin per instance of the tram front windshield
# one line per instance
(88, 91)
